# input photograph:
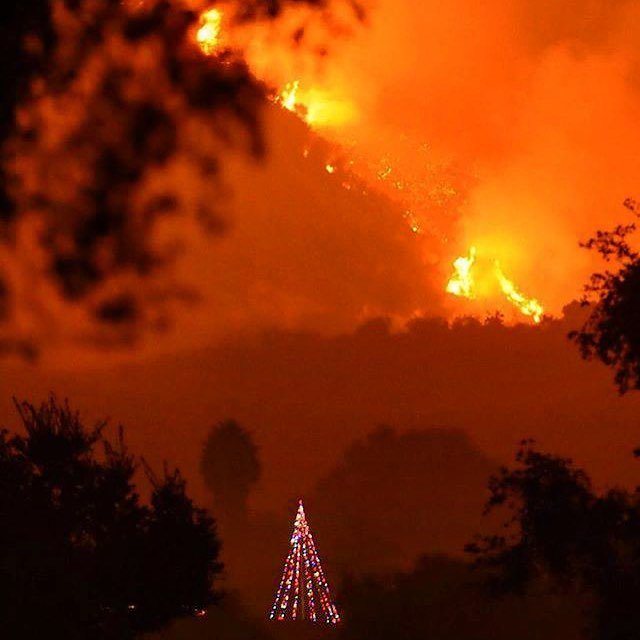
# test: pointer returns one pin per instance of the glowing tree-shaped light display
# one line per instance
(303, 593)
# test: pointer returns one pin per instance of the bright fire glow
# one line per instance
(528, 306)
(208, 35)
(288, 97)
(461, 282)
(321, 109)
(315, 106)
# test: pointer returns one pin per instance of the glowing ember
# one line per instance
(414, 223)
(384, 173)
(208, 35)
(528, 306)
(289, 95)
(461, 282)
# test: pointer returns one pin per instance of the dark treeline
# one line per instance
(81, 554)
(562, 566)
(448, 599)
(84, 550)
(562, 531)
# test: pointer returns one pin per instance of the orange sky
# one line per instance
(511, 125)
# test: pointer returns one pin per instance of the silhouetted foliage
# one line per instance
(612, 330)
(18, 63)
(81, 555)
(444, 598)
(561, 532)
(231, 467)
(395, 494)
(99, 99)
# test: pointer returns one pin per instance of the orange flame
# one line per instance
(315, 106)
(208, 34)
(288, 97)
(528, 306)
(461, 282)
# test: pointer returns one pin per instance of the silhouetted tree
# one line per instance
(612, 330)
(431, 483)
(80, 555)
(107, 93)
(231, 467)
(444, 598)
(561, 532)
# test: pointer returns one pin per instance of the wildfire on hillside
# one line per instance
(322, 111)
(463, 283)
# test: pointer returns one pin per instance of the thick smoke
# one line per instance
(511, 126)
(526, 112)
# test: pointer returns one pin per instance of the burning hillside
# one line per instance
(452, 192)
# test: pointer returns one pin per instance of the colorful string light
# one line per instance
(303, 593)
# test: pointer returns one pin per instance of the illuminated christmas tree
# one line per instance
(303, 593)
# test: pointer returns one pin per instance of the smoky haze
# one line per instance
(510, 125)
(307, 397)
(458, 399)
(314, 321)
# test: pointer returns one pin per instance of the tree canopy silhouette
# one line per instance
(612, 330)
(431, 483)
(81, 555)
(561, 532)
(105, 107)
(230, 466)
(444, 598)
